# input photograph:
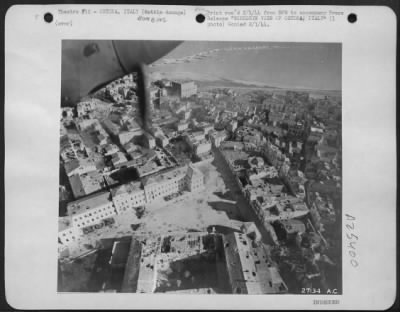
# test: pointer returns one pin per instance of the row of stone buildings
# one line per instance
(96, 208)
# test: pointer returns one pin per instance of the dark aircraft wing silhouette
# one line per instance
(87, 65)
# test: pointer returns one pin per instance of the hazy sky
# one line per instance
(298, 65)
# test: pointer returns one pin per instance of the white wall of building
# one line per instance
(93, 215)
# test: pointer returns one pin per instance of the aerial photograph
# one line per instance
(207, 167)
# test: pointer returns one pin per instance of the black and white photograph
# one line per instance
(200, 157)
(200, 167)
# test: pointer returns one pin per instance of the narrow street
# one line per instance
(246, 211)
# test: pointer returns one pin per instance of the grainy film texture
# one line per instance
(232, 186)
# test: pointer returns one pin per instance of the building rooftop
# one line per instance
(234, 157)
(86, 183)
(293, 226)
(220, 134)
(266, 189)
(118, 157)
(148, 136)
(111, 126)
(130, 147)
(326, 148)
(89, 202)
(132, 267)
(152, 260)
(193, 171)
(128, 188)
(251, 264)
(232, 145)
(203, 141)
(146, 166)
(64, 223)
(71, 165)
(165, 176)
